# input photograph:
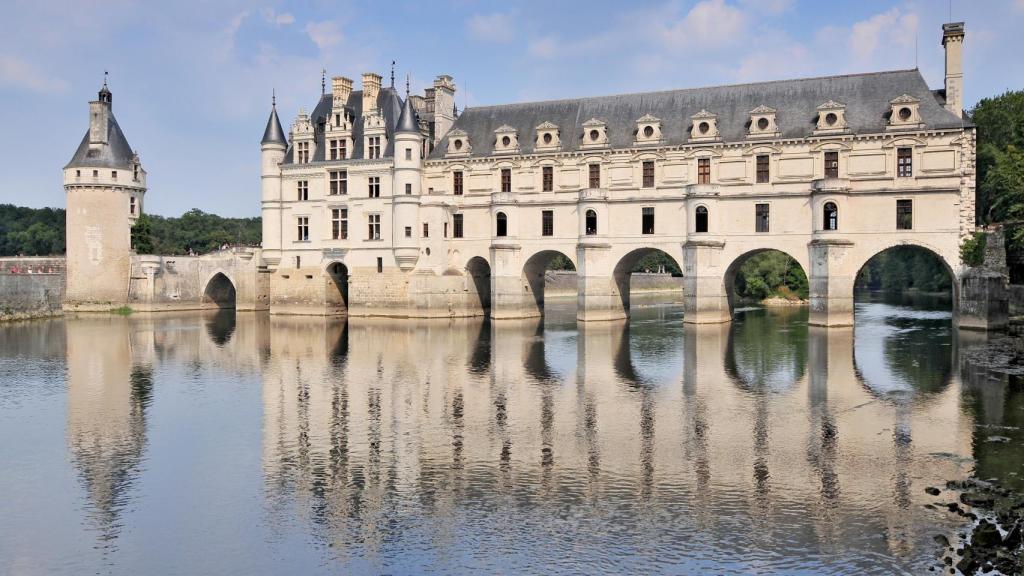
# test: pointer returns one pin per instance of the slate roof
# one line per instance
(408, 121)
(116, 154)
(387, 100)
(866, 96)
(274, 134)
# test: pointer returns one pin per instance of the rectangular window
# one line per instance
(547, 178)
(457, 182)
(303, 228)
(302, 153)
(337, 148)
(408, 231)
(408, 188)
(374, 184)
(445, 229)
(904, 162)
(831, 164)
(904, 214)
(647, 226)
(373, 147)
(380, 265)
(457, 225)
(95, 173)
(648, 174)
(338, 182)
(132, 204)
(374, 227)
(595, 175)
(302, 189)
(113, 174)
(761, 218)
(703, 170)
(547, 223)
(408, 153)
(506, 179)
(342, 149)
(762, 169)
(426, 230)
(339, 224)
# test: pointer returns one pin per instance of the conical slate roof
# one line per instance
(408, 121)
(274, 134)
(115, 154)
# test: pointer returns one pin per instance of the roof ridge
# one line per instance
(693, 89)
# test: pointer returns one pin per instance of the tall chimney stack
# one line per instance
(341, 88)
(371, 89)
(953, 42)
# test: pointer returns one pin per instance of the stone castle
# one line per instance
(379, 205)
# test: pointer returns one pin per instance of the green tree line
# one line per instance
(1000, 178)
(40, 232)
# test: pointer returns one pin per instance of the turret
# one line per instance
(408, 172)
(272, 151)
(105, 185)
(953, 42)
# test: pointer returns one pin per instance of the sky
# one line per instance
(192, 80)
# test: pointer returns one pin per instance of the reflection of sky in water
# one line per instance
(881, 327)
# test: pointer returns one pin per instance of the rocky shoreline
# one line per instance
(994, 542)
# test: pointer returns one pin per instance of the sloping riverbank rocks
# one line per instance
(994, 543)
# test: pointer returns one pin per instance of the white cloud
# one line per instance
(768, 6)
(324, 34)
(278, 18)
(19, 74)
(492, 27)
(546, 47)
(709, 24)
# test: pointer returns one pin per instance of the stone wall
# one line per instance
(563, 283)
(31, 287)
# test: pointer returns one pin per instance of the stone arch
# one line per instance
(951, 272)
(219, 291)
(729, 279)
(337, 280)
(533, 273)
(478, 282)
(623, 271)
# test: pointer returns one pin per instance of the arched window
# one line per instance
(591, 224)
(502, 224)
(701, 221)
(830, 216)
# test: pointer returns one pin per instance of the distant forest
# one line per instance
(40, 232)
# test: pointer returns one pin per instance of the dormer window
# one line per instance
(705, 126)
(458, 143)
(506, 140)
(595, 134)
(648, 130)
(762, 122)
(831, 117)
(905, 112)
(302, 152)
(547, 137)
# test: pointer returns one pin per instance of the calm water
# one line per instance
(224, 444)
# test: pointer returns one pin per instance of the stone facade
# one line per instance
(830, 170)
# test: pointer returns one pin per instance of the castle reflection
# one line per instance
(760, 435)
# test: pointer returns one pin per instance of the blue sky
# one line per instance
(192, 80)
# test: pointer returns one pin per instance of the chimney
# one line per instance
(371, 89)
(953, 42)
(341, 88)
(99, 122)
(444, 105)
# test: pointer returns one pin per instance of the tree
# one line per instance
(142, 235)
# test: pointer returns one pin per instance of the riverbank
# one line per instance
(994, 542)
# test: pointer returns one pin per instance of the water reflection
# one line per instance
(469, 446)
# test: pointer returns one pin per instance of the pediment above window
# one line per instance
(905, 112)
(704, 127)
(458, 144)
(548, 137)
(763, 123)
(648, 130)
(831, 118)
(506, 140)
(595, 134)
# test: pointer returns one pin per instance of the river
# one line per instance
(250, 444)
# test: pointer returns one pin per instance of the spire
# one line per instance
(105, 95)
(274, 134)
(406, 86)
(408, 122)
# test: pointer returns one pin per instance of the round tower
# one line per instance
(272, 151)
(407, 182)
(105, 185)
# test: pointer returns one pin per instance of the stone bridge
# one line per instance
(227, 278)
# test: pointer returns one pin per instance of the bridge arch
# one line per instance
(533, 274)
(729, 278)
(871, 275)
(478, 282)
(336, 292)
(219, 291)
(623, 271)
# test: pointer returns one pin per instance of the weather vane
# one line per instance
(392, 73)
(323, 81)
